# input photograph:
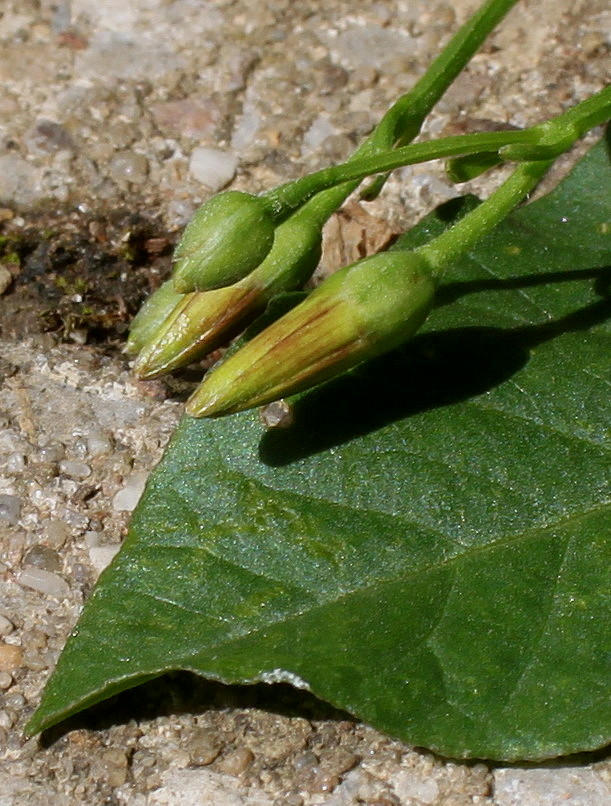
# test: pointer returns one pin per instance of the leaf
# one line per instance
(427, 546)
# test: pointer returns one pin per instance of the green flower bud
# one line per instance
(204, 320)
(225, 240)
(359, 312)
(200, 323)
(148, 319)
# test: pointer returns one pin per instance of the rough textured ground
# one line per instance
(116, 120)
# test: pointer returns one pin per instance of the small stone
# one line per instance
(409, 784)
(6, 626)
(44, 582)
(16, 463)
(320, 130)
(74, 469)
(10, 509)
(40, 556)
(6, 720)
(47, 137)
(19, 181)
(6, 278)
(51, 453)
(56, 533)
(14, 699)
(101, 556)
(112, 766)
(34, 661)
(128, 166)
(11, 657)
(202, 748)
(212, 167)
(549, 786)
(236, 762)
(6, 680)
(188, 117)
(74, 519)
(306, 761)
(98, 443)
(127, 498)
(278, 414)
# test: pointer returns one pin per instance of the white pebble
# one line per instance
(44, 582)
(127, 498)
(212, 167)
(6, 626)
(19, 181)
(319, 131)
(573, 786)
(74, 469)
(98, 443)
(409, 784)
(101, 556)
(15, 463)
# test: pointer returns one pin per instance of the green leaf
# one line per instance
(427, 546)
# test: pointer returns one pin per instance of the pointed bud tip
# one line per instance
(359, 312)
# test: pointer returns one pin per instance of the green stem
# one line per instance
(541, 142)
(442, 251)
(293, 194)
(594, 111)
(403, 121)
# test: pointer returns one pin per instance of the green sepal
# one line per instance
(151, 315)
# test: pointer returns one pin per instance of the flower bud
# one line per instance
(359, 312)
(204, 320)
(150, 316)
(226, 239)
(201, 322)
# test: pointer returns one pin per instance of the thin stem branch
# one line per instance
(443, 250)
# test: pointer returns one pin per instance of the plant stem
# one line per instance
(458, 145)
(403, 121)
(443, 250)
(541, 142)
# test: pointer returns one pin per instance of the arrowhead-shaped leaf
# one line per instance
(428, 546)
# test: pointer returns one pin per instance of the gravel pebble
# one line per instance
(6, 626)
(127, 498)
(101, 556)
(213, 168)
(568, 786)
(10, 509)
(75, 469)
(412, 784)
(44, 582)
(6, 720)
(128, 166)
(6, 278)
(6, 680)
(11, 657)
(19, 181)
(236, 762)
(203, 748)
(41, 556)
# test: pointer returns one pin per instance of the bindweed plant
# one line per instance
(235, 230)
(427, 544)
